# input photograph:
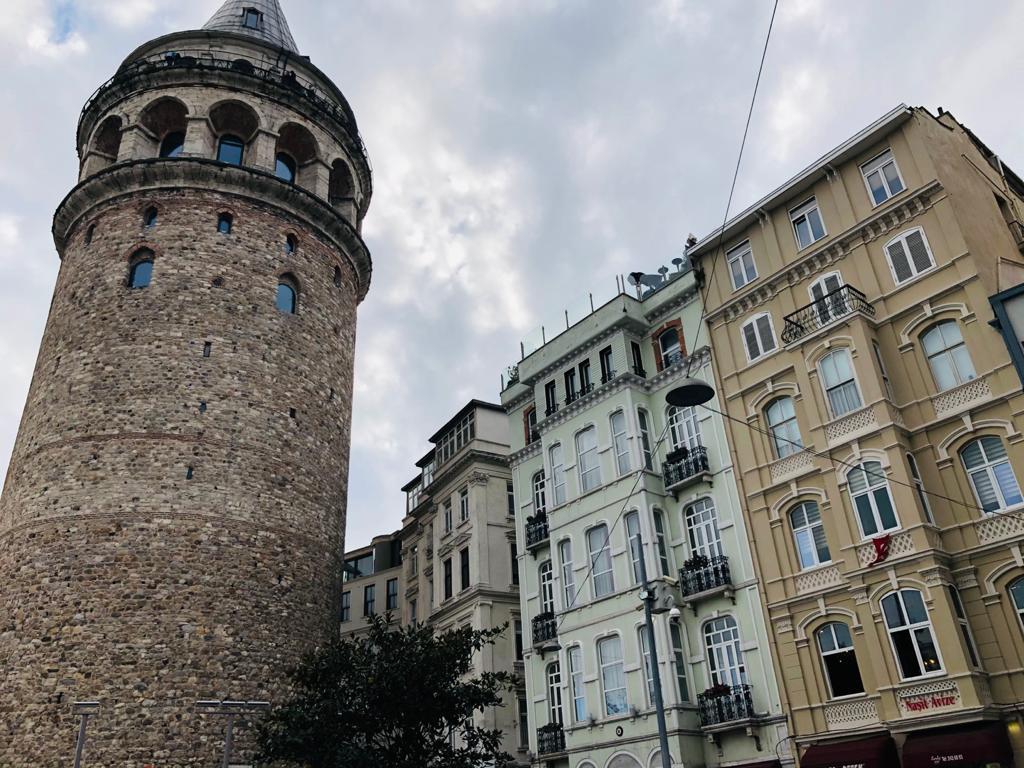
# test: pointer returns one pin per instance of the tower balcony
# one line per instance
(726, 707)
(830, 308)
(703, 577)
(550, 739)
(685, 467)
(545, 632)
(536, 531)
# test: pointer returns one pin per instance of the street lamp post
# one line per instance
(648, 598)
(84, 709)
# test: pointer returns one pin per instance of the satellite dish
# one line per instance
(635, 277)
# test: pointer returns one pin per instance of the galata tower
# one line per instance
(172, 523)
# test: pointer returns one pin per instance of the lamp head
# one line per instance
(690, 392)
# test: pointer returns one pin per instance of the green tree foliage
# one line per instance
(395, 698)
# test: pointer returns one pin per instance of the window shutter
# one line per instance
(764, 328)
(750, 339)
(900, 262)
(919, 251)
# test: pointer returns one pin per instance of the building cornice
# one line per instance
(460, 462)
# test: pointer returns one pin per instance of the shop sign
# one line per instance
(924, 702)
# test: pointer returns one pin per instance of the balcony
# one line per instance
(841, 302)
(684, 467)
(703, 577)
(550, 739)
(536, 531)
(608, 376)
(545, 632)
(725, 707)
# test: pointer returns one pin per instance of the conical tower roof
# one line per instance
(267, 23)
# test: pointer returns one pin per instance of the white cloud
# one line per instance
(8, 230)
(124, 13)
(29, 31)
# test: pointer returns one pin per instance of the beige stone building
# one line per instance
(857, 315)
(373, 583)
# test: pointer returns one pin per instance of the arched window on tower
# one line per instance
(140, 271)
(172, 145)
(287, 295)
(291, 244)
(284, 168)
(224, 222)
(166, 118)
(149, 217)
(230, 150)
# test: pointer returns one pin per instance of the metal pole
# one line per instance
(659, 703)
(80, 744)
(228, 742)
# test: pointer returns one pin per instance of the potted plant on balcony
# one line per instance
(718, 691)
(697, 563)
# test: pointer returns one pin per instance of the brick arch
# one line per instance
(234, 116)
(656, 335)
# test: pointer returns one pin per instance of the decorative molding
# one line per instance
(927, 313)
(969, 394)
(819, 578)
(846, 715)
(997, 527)
(843, 429)
(794, 464)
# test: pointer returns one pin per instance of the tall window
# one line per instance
(287, 300)
(638, 359)
(671, 351)
(346, 606)
(782, 425)
(447, 565)
(620, 441)
(464, 504)
(758, 336)
(702, 528)
(514, 555)
(568, 577)
(555, 457)
(684, 427)
(909, 255)
(447, 515)
(881, 368)
(911, 633)
(550, 398)
(464, 567)
(230, 150)
(965, 627)
(807, 224)
(149, 218)
(579, 697)
(546, 579)
(605, 358)
(741, 265)
(369, 599)
(524, 722)
(645, 654)
(539, 503)
(531, 425)
(872, 499)
(839, 660)
(569, 379)
(829, 301)
(392, 594)
(284, 167)
(811, 545)
(922, 497)
(645, 437)
(1017, 595)
(518, 628)
(600, 560)
(173, 144)
(947, 355)
(588, 460)
(678, 659)
(510, 498)
(291, 243)
(633, 537)
(838, 382)
(554, 678)
(585, 377)
(725, 656)
(992, 478)
(613, 675)
(141, 272)
(662, 542)
(882, 177)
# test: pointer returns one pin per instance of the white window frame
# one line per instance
(568, 577)
(760, 342)
(684, 427)
(604, 551)
(922, 494)
(837, 650)
(783, 445)
(546, 586)
(645, 663)
(960, 614)
(605, 668)
(1016, 590)
(806, 532)
(589, 474)
(803, 210)
(661, 540)
(464, 504)
(724, 649)
(557, 474)
(912, 629)
(643, 420)
(736, 255)
(889, 393)
(553, 685)
(946, 353)
(673, 350)
(704, 523)
(825, 389)
(633, 544)
(873, 504)
(876, 163)
(574, 657)
(620, 442)
(676, 631)
(447, 512)
(910, 262)
(539, 484)
(987, 466)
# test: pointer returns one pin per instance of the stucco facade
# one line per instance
(875, 413)
(587, 414)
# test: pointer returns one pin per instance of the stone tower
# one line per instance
(172, 524)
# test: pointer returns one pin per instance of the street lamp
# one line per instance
(648, 598)
(690, 391)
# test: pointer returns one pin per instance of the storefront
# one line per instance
(981, 745)
(873, 752)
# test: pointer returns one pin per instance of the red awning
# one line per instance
(971, 745)
(874, 752)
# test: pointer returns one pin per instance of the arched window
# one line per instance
(284, 167)
(287, 296)
(947, 355)
(684, 427)
(530, 425)
(613, 675)
(839, 660)
(872, 499)
(557, 460)
(107, 139)
(568, 577)
(633, 539)
(149, 217)
(988, 466)
(291, 244)
(540, 505)
(89, 234)
(702, 528)
(837, 381)
(141, 271)
(342, 188)
(671, 351)
(785, 432)
(811, 544)
(173, 144)
(546, 578)
(588, 460)
(910, 632)
(230, 150)
(337, 284)
(224, 222)
(725, 653)
(554, 685)
(579, 697)
(600, 551)
(1017, 595)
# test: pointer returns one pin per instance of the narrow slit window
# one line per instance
(149, 217)
(287, 298)
(141, 273)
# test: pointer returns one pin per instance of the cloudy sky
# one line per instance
(525, 152)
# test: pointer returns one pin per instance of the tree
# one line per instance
(396, 698)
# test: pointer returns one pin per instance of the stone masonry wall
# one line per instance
(128, 577)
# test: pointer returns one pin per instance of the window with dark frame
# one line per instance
(346, 606)
(839, 660)
(369, 599)
(510, 495)
(569, 378)
(464, 568)
(638, 359)
(391, 601)
(519, 639)
(251, 18)
(224, 222)
(514, 555)
(585, 385)
(447, 578)
(605, 359)
(550, 398)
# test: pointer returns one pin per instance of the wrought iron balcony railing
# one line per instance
(545, 628)
(685, 464)
(606, 377)
(841, 302)
(639, 371)
(724, 704)
(553, 408)
(703, 574)
(536, 530)
(550, 739)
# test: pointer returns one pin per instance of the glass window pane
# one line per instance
(906, 655)
(942, 370)
(885, 511)
(914, 604)
(843, 639)
(803, 232)
(825, 638)
(1007, 484)
(817, 228)
(986, 491)
(893, 611)
(141, 274)
(1017, 593)
(285, 298)
(891, 176)
(964, 366)
(805, 548)
(972, 455)
(866, 515)
(926, 645)
(821, 543)
(878, 192)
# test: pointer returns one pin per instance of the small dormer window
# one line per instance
(251, 18)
